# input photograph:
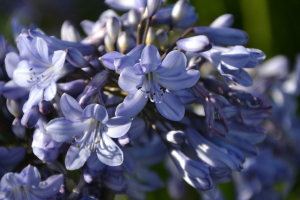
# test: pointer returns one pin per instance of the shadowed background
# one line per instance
(272, 25)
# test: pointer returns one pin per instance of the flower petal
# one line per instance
(173, 65)
(71, 108)
(10, 181)
(40, 49)
(97, 112)
(48, 188)
(62, 130)
(132, 104)
(108, 152)
(185, 80)
(11, 90)
(171, 107)
(130, 59)
(223, 36)
(76, 157)
(11, 61)
(131, 78)
(35, 96)
(108, 59)
(58, 60)
(31, 176)
(118, 126)
(150, 59)
(50, 91)
(237, 57)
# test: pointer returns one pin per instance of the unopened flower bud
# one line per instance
(30, 117)
(45, 107)
(175, 138)
(153, 6)
(225, 20)
(134, 18)
(76, 58)
(69, 32)
(112, 28)
(123, 41)
(18, 129)
(150, 36)
(179, 10)
(14, 107)
(125, 140)
(162, 38)
(72, 88)
(194, 44)
(109, 43)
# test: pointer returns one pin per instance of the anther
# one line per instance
(74, 136)
(77, 146)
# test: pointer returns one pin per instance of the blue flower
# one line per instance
(38, 70)
(230, 62)
(28, 186)
(92, 130)
(151, 79)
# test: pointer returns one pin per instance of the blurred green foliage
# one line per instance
(272, 25)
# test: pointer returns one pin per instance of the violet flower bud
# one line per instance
(123, 41)
(14, 107)
(150, 36)
(45, 107)
(134, 18)
(109, 43)
(113, 28)
(162, 38)
(18, 129)
(30, 117)
(69, 33)
(125, 140)
(179, 10)
(153, 6)
(76, 58)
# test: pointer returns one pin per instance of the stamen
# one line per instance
(77, 146)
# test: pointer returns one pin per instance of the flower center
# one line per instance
(92, 136)
(152, 89)
(43, 79)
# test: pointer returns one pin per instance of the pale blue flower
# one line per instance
(92, 131)
(38, 69)
(154, 80)
(28, 185)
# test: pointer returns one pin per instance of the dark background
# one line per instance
(273, 27)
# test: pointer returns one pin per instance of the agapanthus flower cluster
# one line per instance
(109, 105)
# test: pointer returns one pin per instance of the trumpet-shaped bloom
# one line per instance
(38, 69)
(92, 131)
(151, 79)
(28, 186)
(230, 62)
